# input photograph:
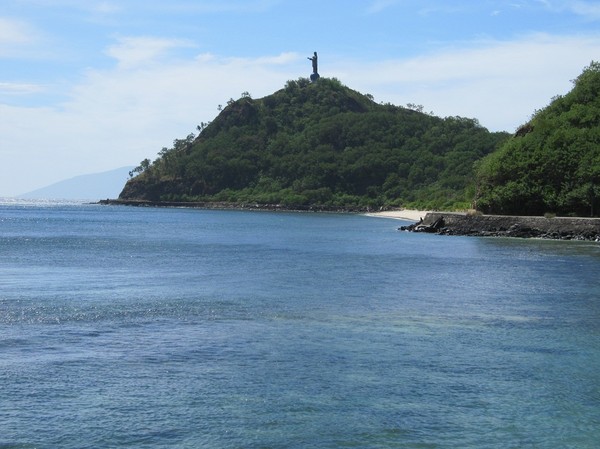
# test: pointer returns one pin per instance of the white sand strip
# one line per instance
(406, 214)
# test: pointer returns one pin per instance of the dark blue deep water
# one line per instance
(178, 328)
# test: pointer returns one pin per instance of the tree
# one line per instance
(552, 163)
(140, 168)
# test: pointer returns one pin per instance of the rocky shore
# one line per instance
(235, 206)
(558, 228)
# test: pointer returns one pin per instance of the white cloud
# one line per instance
(14, 35)
(590, 11)
(19, 88)
(134, 51)
(377, 6)
(281, 59)
(106, 8)
(14, 31)
(499, 83)
(214, 6)
(278, 60)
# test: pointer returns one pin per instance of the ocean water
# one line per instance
(180, 328)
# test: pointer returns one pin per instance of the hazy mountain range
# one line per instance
(94, 186)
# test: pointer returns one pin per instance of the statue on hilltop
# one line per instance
(315, 74)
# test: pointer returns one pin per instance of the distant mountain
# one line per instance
(95, 186)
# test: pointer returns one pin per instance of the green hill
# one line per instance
(320, 144)
(552, 164)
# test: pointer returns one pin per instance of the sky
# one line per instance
(92, 85)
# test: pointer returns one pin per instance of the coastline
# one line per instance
(443, 223)
(553, 228)
(397, 214)
(404, 214)
(222, 205)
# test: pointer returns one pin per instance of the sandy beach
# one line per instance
(406, 214)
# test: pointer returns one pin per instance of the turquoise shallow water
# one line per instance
(160, 328)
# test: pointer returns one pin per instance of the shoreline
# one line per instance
(550, 228)
(397, 214)
(220, 205)
(404, 214)
(442, 223)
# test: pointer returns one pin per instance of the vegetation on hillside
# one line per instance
(552, 164)
(320, 144)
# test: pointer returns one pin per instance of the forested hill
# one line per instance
(552, 164)
(320, 144)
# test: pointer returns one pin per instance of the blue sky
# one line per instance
(91, 85)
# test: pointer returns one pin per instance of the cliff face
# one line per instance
(562, 228)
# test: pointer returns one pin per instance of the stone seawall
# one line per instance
(563, 228)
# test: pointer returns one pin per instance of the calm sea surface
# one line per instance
(177, 328)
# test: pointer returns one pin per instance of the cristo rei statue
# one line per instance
(315, 74)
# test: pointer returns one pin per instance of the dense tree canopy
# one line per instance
(552, 164)
(320, 144)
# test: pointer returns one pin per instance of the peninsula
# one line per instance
(321, 146)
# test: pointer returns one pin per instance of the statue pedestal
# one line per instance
(314, 77)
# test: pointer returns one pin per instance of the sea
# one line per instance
(133, 327)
